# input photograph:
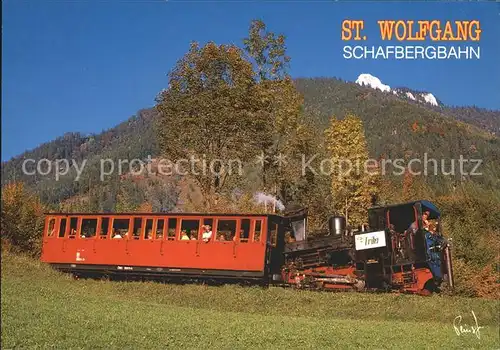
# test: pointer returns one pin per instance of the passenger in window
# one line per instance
(243, 236)
(425, 219)
(149, 234)
(221, 237)
(117, 234)
(207, 233)
(425, 222)
(287, 237)
(193, 237)
(184, 236)
(291, 237)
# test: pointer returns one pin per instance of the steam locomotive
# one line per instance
(396, 253)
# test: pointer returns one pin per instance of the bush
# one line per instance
(471, 220)
(22, 219)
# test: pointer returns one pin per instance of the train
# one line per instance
(401, 249)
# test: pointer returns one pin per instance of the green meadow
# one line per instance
(42, 308)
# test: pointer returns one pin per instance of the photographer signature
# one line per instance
(464, 329)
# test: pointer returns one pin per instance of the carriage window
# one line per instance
(148, 234)
(89, 228)
(190, 228)
(104, 227)
(299, 230)
(226, 230)
(73, 225)
(137, 228)
(51, 228)
(62, 227)
(120, 227)
(245, 230)
(258, 230)
(273, 233)
(172, 227)
(209, 223)
(160, 225)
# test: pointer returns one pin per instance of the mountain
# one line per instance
(396, 126)
(372, 81)
(131, 139)
(483, 118)
(402, 92)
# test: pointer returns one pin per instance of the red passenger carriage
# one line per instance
(240, 246)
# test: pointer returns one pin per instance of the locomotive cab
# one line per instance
(414, 249)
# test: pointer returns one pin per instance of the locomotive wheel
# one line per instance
(424, 292)
(320, 285)
(431, 287)
(360, 285)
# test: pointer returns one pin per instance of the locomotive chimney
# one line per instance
(336, 225)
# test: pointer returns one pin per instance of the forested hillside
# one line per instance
(134, 138)
(394, 128)
(484, 118)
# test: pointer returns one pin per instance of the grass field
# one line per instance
(44, 309)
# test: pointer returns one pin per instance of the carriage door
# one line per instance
(276, 244)
(69, 238)
(49, 243)
(63, 225)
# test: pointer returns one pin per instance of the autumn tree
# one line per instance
(22, 218)
(211, 116)
(414, 188)
(268, 52)
(354, 178)
(129, 197)
(145, 207)
(283, 108)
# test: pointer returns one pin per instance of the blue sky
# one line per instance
(88, 65)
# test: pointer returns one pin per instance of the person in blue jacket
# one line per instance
(434, 246)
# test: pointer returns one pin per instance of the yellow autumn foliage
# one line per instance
(22, 218)
(354, 180)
